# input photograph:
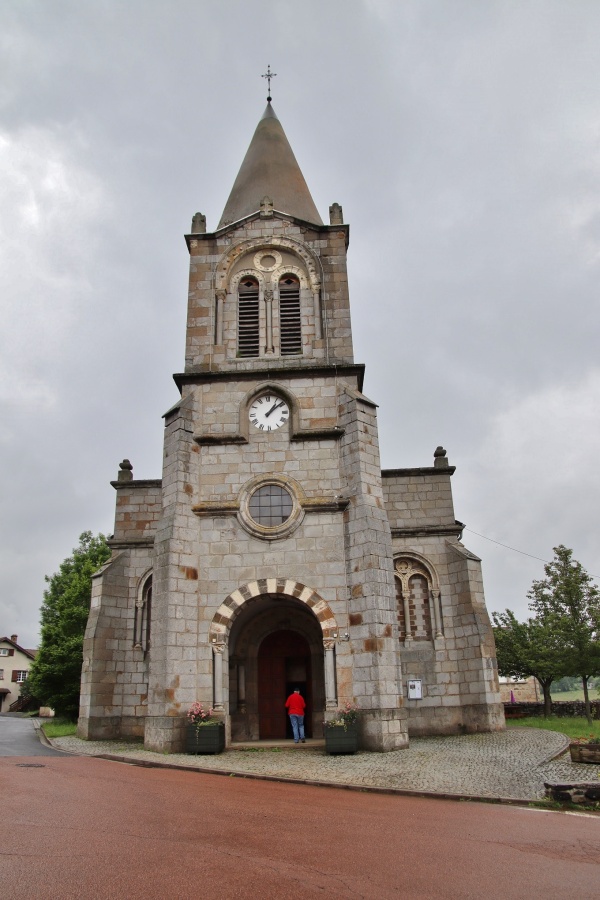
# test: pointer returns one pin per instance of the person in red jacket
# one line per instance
(295, 706)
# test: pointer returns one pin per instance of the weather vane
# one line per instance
(268, 76)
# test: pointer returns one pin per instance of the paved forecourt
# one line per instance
(513, 764)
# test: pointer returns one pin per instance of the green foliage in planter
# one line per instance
(345, 716)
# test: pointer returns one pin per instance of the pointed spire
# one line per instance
(270, 170)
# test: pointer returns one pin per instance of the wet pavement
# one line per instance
(19, 737)
(511, 765)
(87, 829)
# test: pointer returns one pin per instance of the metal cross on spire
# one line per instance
(268, 76)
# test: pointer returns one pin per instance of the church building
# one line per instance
(274, 552)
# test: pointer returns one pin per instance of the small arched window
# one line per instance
(290, 327)
(248, 318)
(414, 598)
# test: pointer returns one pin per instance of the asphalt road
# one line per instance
(88, 828)
(18, 737)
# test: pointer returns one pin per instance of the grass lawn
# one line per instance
(59, 728)
(576, 727)
(559, 696)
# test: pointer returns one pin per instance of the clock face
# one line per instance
(269, 412)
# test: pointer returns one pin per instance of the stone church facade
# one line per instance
(274, 553)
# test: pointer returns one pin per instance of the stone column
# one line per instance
(407, 624)
(242, 687)
(330, 696)
(218, 673)
(436, 599)
(138, 624)
(317, 309)
(220, 296)
(269, 320)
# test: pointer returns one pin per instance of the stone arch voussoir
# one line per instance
(232, 254)
(231, 607)
(412, 555)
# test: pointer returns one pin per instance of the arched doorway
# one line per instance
(284, 664)
(287, 634)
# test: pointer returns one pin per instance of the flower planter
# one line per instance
(205, 738)
(341, 740)
(585, 753)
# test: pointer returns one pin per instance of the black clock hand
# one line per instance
(274, 407)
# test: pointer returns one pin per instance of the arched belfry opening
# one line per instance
(275, 645)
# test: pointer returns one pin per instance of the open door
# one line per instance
(283, 665)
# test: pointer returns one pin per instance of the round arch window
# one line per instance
(271, 505)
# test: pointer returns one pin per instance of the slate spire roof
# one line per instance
(270, 170)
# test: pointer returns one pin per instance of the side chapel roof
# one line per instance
(270, 170)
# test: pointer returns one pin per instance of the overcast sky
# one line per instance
(462, 140)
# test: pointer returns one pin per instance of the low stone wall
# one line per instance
(573, 793)
(566, 708)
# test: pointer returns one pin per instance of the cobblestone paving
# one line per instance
(511, 764)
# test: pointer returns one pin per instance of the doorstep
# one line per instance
(286, 744)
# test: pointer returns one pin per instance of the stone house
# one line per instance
(14, 668)
(520, 690)
(274, 552)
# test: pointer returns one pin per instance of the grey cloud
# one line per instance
(461, 140)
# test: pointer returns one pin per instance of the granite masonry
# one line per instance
(274, 553)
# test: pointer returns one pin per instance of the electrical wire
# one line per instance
(514, 549)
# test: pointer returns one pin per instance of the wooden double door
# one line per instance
(284, 664)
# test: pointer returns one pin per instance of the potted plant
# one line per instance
(585, 750)
(341, 733)
(204, 732)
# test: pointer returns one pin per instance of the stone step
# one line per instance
(285, 744)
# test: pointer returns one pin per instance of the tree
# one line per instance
(528, 648)
(55, 674)
(568, 603)
(567, 683)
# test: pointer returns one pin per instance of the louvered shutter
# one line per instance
(248, 318)
(289, 316)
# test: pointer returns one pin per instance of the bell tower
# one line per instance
(276, 295)
(274, 553)
(271, 486)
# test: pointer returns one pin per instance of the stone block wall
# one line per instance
(176, 676)
(561, 708)
(376, 673)
(526, 690)
(138, 510)
(457, 669)
(114, 685)
(419, 497)
(212, 305)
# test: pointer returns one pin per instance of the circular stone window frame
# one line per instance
(268, 251)
(271, 532)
